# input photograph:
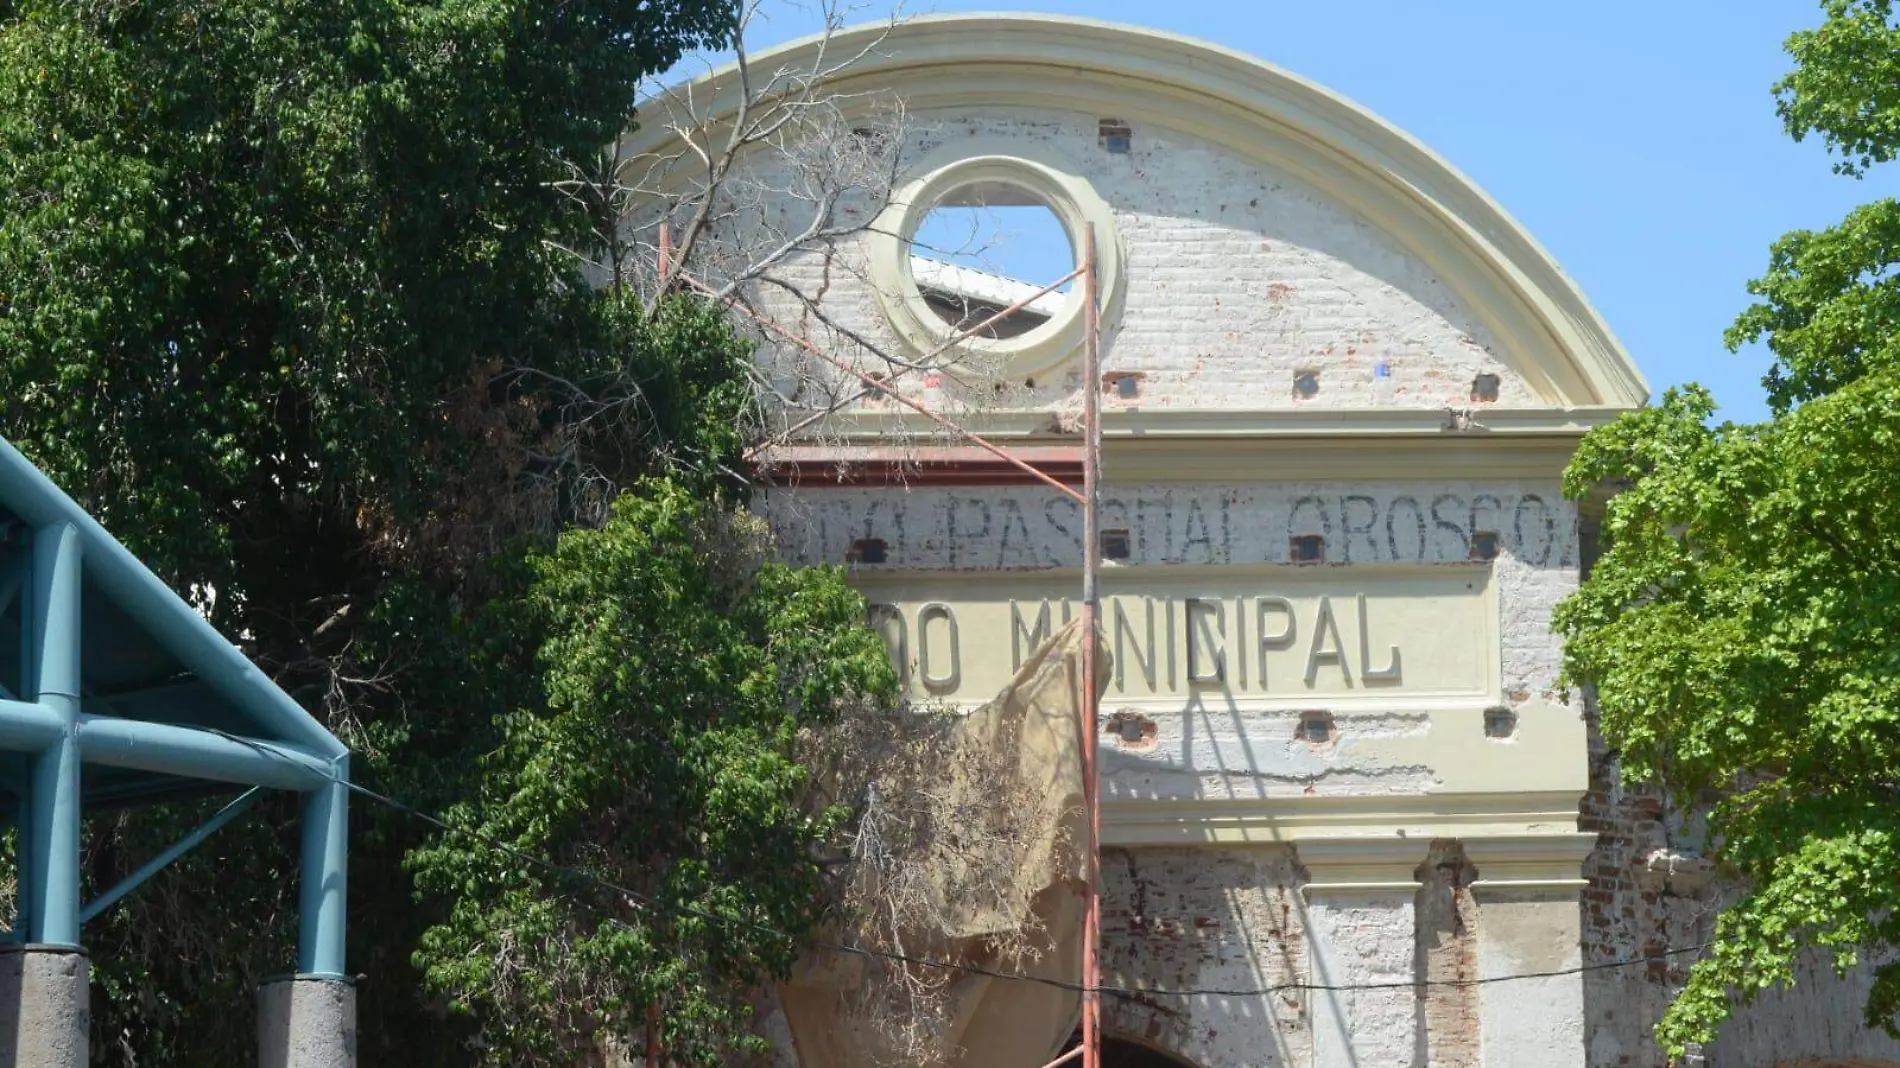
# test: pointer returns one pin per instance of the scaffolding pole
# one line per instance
(1091, 609)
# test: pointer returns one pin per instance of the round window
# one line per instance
(988, 246)
(980, 232)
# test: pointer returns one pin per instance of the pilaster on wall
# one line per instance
(1530, 863)
(1530, 922)
(1361, 899)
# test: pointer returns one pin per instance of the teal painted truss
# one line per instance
(122, 693)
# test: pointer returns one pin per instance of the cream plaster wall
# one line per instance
(1530, 1021)
(1008, 529)
(1238, 276)
(1240, 917)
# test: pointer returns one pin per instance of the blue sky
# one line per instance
(1637, 141)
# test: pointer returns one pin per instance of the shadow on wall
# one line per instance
(1199, 917)
(1816, 1023)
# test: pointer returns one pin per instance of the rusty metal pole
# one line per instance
(1091, 610)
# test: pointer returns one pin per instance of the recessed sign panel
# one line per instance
(1273, 633)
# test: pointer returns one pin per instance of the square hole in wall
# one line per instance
(1317, 727)
(1484, 388)
(1132, 729)
(1305, 385)
(1123, 384)
(1306, 549)
(868, 551)
(1499, 723)
(1484, 545)
(1117, 136)
(1115, 545)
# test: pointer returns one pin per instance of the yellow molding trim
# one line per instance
(1546, 327)
(870, 424)
(1362, 865)
(1062, 187)
(1232, 460)
(1524, 821)
(1523, 863)
(1240, 445)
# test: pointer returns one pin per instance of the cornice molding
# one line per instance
(893, 448)
(1505, 816)
(1524, 842)
(874, 424)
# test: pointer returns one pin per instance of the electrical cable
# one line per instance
(1124, 992)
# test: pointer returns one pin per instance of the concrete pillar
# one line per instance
(1361, 924)
(1530, 920)
(45, 1006)
(306, 1022)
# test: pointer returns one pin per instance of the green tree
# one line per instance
(656, 765)
(284, 299)
(1742, 628)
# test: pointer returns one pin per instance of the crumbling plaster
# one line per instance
(1247, 918)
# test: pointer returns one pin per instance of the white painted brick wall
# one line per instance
(1238, 276)
(1208, 919)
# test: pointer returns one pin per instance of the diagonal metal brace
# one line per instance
(178, 849)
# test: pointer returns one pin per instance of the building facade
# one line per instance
(1340, 386)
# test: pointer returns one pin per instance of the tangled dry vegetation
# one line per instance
(966, 840)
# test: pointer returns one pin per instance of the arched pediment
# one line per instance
(1536, 319)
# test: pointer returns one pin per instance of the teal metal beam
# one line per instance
(198, 754)
(29, 728)
(177, 849)
(183, 632)
(326, 858)
(52, 681)
(166, 748)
